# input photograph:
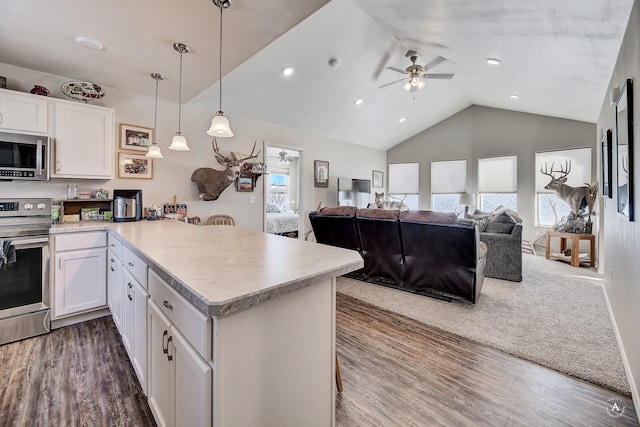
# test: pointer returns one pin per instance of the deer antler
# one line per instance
(546, 170)
(251, 156)
(565, 171)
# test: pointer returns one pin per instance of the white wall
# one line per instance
(621, 237)
(172, 175)
(478, 132)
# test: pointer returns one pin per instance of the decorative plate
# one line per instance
(82, 91)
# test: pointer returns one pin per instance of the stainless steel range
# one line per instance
(24, 268)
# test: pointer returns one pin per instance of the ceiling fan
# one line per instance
(415, 73)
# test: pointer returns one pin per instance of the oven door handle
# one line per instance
(29, 241)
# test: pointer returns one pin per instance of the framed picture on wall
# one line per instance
(607, 175)
(134, 166)
(378, 178)
(136, 138)
(624, 150)
(320, 173)
(245, 183)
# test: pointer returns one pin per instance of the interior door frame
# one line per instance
(266, 183)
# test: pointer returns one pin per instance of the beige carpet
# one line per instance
(556, 317)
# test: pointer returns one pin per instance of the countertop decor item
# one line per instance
(40, 90)
(82, 91)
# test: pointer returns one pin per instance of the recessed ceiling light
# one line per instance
(287, 71)
(402, 119)
(358, 101)
(514, 96)
(89, 43)
(493, 61)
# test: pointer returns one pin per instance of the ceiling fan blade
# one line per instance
(397, 70)
(435, 62)
(381, 65)
(438, 76)
(388, 84)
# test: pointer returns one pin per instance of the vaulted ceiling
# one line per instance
(556, 55)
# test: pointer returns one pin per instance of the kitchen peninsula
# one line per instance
(240, 325)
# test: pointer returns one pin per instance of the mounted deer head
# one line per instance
(211, 182)
(575, 197)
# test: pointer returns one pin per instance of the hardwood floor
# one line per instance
(75, 376)
(395, 371)
(399, 372)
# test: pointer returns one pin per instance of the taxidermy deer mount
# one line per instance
(212, 182)
(578, 198)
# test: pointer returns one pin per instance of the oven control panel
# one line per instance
(25, 207)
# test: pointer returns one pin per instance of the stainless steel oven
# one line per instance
(24, 268)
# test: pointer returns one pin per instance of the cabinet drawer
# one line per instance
(195, 326)
(115, 245)
(135, 266)
(73, 241)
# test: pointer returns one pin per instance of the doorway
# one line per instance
(283, 191)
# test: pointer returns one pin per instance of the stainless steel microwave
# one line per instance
(24, 157)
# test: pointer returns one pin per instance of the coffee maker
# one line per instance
(127, 205)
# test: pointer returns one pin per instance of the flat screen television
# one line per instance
(354, 192)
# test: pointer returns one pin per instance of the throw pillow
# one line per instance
(271, 208)
(502, 223)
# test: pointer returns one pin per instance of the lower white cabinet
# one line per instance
(134, 325)
(180, 381)
(80, 279)
(115, 291)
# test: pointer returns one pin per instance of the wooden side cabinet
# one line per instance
(574, 258)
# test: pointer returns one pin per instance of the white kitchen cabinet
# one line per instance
(23, 112)
(80, 281)
(115, 291)
(84, 141)
(180, 381)
(134, 330)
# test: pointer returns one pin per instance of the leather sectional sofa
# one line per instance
(423, 252)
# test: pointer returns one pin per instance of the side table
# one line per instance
(574, 258)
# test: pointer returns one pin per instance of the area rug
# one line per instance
(556, 317)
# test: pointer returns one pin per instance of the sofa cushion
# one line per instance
(432, 217)
(502, 223)
(378, 213)
(338, 211)
(513, 214)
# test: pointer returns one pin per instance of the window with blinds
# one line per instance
(551, 209)
(498, 182)
(448, 181)
(404, 183)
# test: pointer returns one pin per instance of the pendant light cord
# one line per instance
(180, 95)
(155, 114)
(221, 6)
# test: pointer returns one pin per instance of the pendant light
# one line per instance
(154, 150)
(220, 124)
(179, 142)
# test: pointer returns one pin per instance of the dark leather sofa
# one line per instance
(423, 252)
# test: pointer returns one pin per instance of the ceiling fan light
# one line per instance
(220, 126)
(420, 85)
(179, 143)
(154, 152)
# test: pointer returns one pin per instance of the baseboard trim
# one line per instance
(627, 366)
(72, 320)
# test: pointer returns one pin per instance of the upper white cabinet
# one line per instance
(83, 141)
(23, 112)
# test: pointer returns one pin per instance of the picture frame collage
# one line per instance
(134, 143)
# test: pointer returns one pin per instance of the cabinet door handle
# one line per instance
(167, 304)
(169, 357)
(112, 269)
(130, 264)
(60, 263)
(1, 119)
(165, 349)
(128, 294)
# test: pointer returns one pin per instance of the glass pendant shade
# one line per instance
(154, 152)
(220, 126)
(179, 143)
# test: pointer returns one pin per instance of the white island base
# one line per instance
(277, 362)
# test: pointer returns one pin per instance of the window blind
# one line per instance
(449, 176)
(498, 174)
(403, 178)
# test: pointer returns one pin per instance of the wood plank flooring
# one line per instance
(395, 371)
(75, 376)
(399, 372)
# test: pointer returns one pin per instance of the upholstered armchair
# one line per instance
(504, 255)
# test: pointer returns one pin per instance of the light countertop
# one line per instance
(224, 269)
